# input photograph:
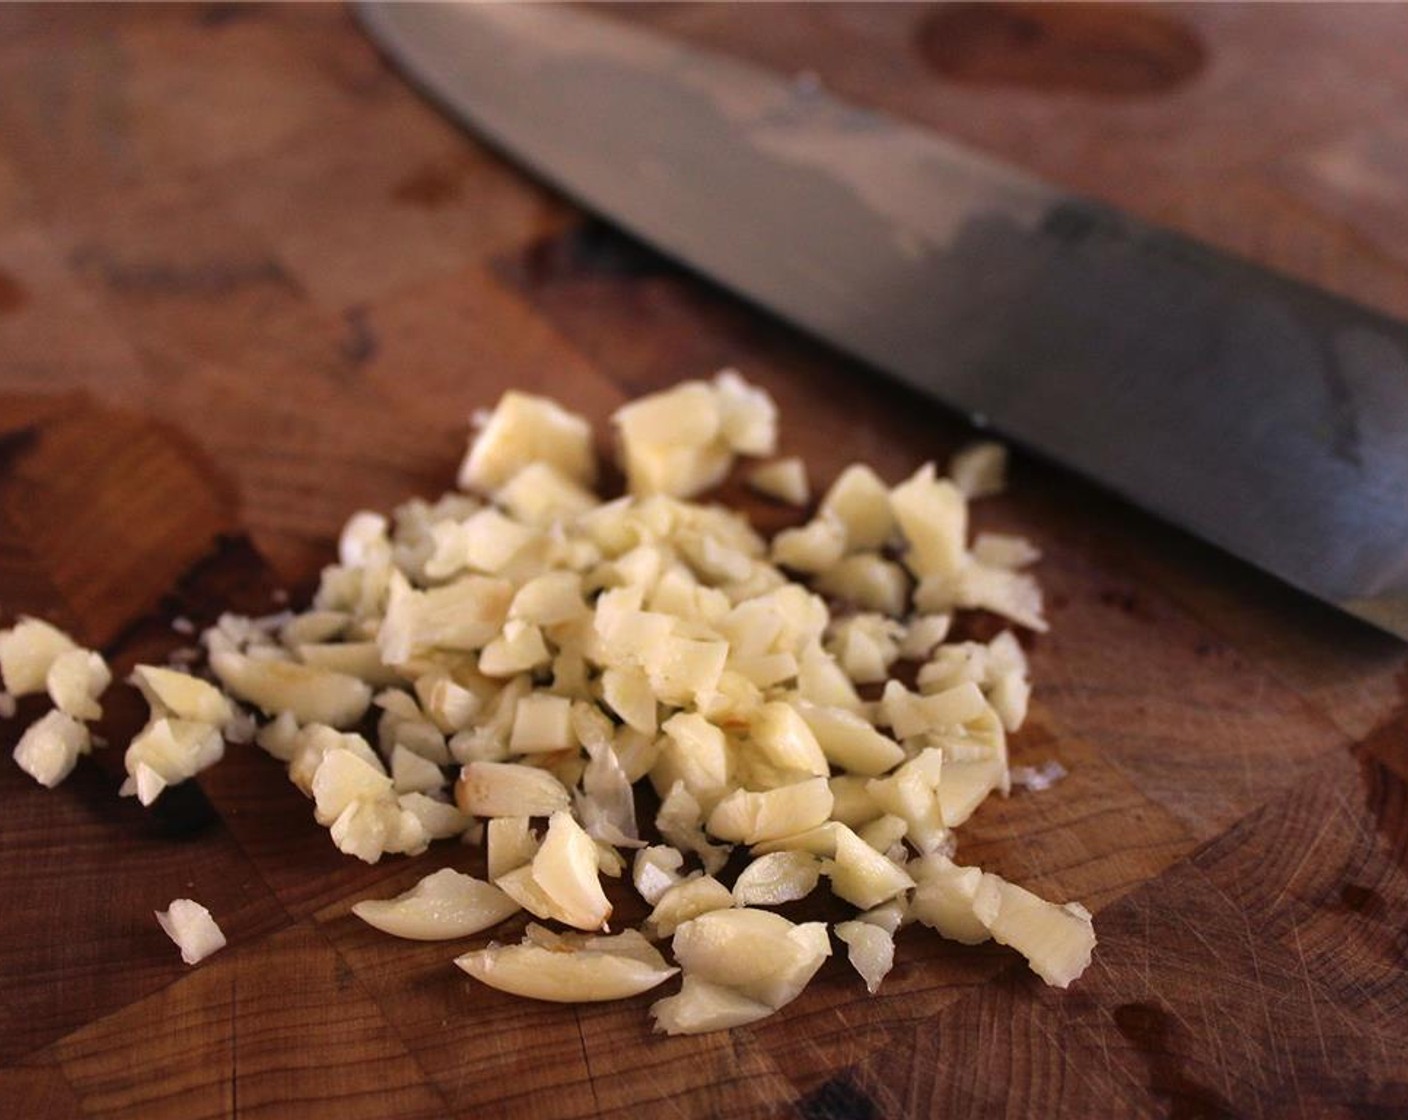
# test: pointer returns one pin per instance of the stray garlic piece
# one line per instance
(190, 925)
(980, 469)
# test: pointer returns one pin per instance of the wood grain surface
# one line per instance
(250, 283)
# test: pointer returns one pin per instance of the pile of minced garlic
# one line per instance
(505, 664)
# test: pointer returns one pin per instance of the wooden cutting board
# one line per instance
(250, 283)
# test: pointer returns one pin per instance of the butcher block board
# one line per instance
(250, 283)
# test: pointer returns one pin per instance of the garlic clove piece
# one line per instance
(444, 905)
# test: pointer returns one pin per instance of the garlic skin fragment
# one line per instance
(570, 968)
(190, 925)
(49, 748)
(27, 651)
(444, 905)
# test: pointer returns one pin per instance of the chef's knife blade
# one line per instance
(1264, 415)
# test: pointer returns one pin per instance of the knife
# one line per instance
(1264, 415)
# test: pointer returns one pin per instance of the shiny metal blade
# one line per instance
(1266, 416)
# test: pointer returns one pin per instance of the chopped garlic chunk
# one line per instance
(777, 878)
(1056, 940)
(27, 650)
(570, 968)
(170, 692)
(509, 789)
(861, 502)
(998, 550)
(444, 905)
(767, 815)
(980, 469)
(786, 740)
(511, 844)
(817, 546)
(190, 925)
(871, 950)
(167, 752)
(933, 518)
(685, 901)
(868, 581)
(525, 429)
(76, 678)
(758, 956)
(49, 748)
(656, 870)
(861, 875)
(851, 742)
(312, 695)
(565, 870)
(747, 415)
(680, 821)
(783, 479)
(541, 723)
